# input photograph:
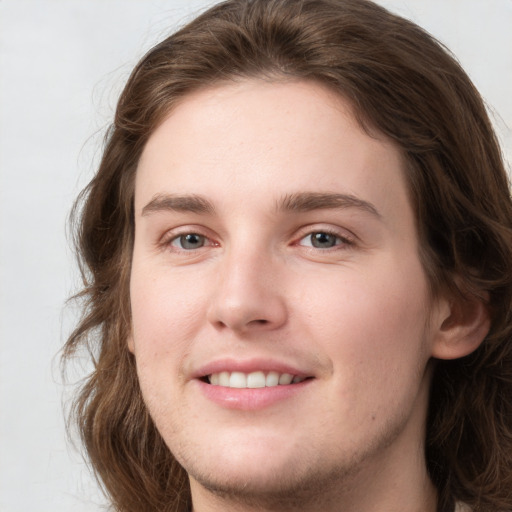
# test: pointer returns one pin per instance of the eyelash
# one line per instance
(169, 241)
(341, 242)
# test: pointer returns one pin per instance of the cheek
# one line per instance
(379, 354)
(166, 313)
(373, 323)
(165, 317)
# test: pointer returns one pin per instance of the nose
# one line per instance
(249, 296)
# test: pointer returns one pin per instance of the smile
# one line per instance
(257, 379)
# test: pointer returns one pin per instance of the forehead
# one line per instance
(262, 140)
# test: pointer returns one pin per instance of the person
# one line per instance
(297, 257)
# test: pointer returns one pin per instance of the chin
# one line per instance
(265, 471)
(267, 482)
(254, 484)
(259, 462)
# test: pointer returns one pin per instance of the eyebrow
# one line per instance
(309, 201)
(297, 202)
(179, 203)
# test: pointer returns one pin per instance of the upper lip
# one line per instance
(248, 366)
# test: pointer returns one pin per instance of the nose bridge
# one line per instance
(248, 295)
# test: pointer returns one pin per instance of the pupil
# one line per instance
(323, 240)
(191, 241)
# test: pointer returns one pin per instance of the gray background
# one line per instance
(62, 65)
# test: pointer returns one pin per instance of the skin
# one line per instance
(252, 289)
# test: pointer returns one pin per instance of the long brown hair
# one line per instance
(402, 83)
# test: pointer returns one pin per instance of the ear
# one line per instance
(461, 326)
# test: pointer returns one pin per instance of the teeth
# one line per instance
(285, 378)
(256, 380)
(272, 379)
(223, 379)
(253, 380)
(237, 380)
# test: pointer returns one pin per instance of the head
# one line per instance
(399, 88)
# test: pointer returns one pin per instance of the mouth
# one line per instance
(252, 385)
(252, 380)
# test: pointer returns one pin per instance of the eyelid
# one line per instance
(169, 236)
(347, 237)
(177, 241)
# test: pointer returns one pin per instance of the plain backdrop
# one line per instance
(62, 66)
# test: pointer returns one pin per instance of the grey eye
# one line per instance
(321, 240)
(189, 241)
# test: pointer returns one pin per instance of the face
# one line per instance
(280, 309)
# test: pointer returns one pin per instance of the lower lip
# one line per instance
(246, 399)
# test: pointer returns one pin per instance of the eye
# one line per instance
(189, 241)
(322, 240)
